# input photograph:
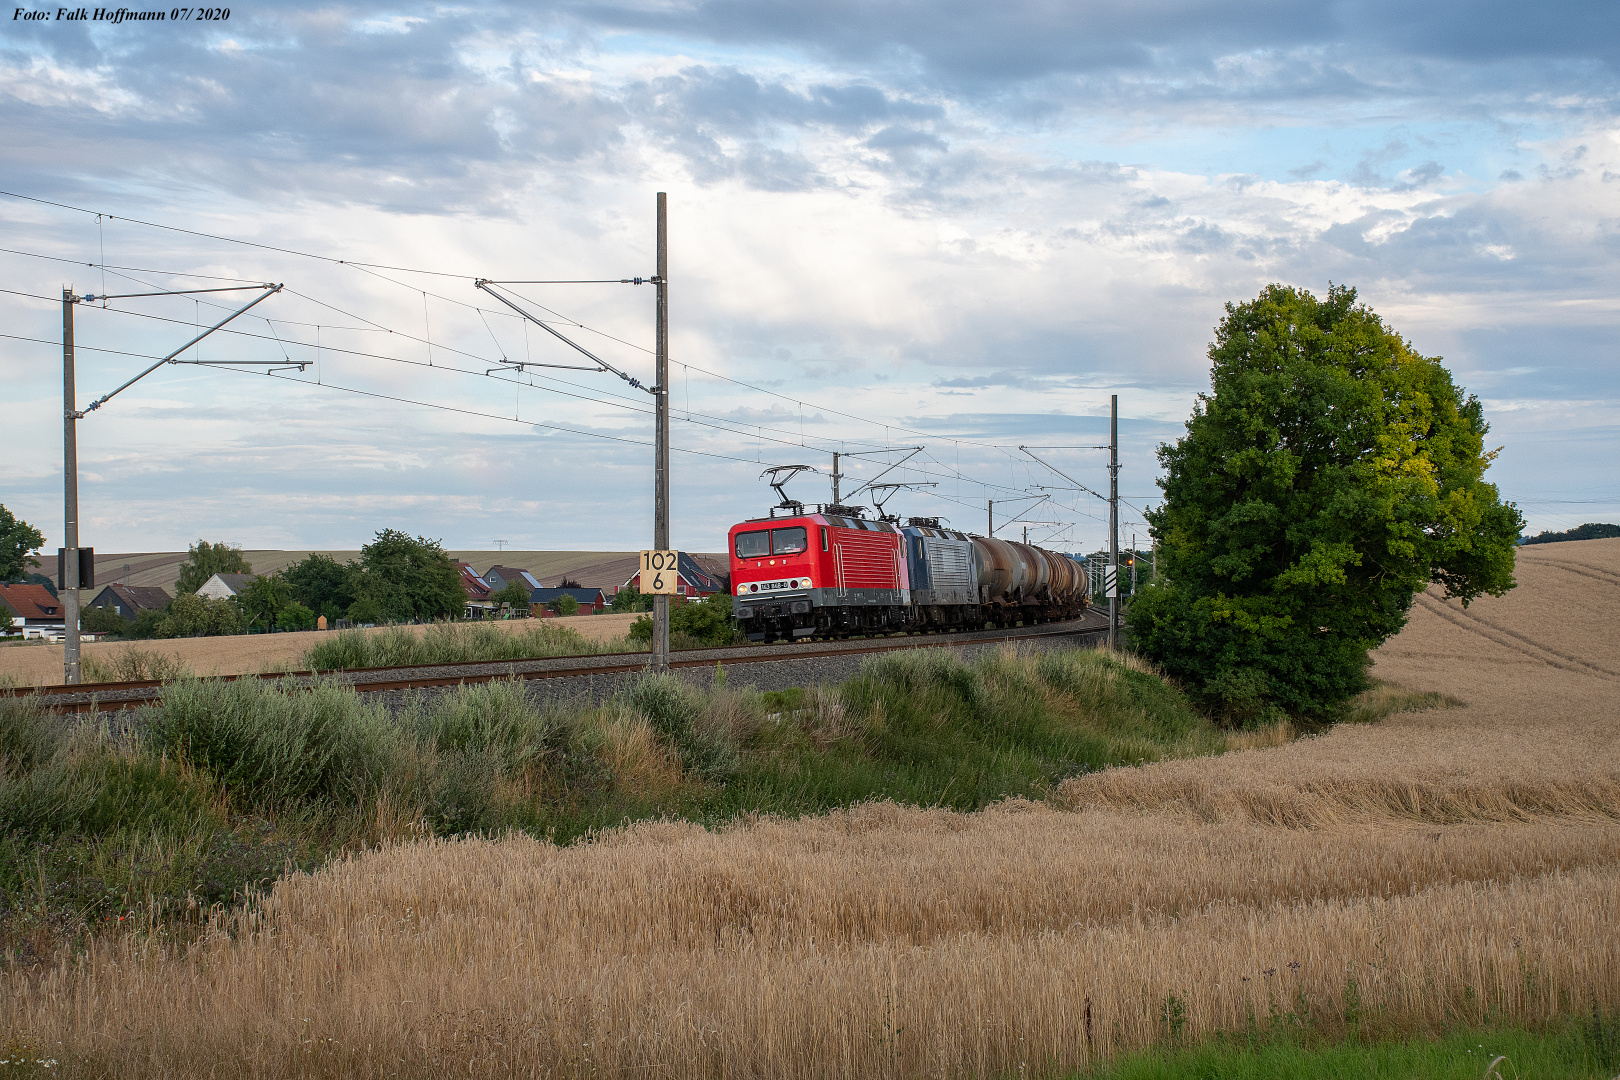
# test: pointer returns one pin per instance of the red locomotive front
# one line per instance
(806, 574)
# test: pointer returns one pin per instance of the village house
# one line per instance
(130, 600)
(591, 601)
(31, 607)
(479, 605)
(499, 577)
(224, 586)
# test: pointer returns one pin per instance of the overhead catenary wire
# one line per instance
(374, 268)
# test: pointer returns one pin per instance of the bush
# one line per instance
(295, 616)
(275, 748)
(678, 712)
(102, 620)
(695, 624)
(190, 615)
(630, 599)
(133, 665)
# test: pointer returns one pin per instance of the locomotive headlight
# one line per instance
(741, 589)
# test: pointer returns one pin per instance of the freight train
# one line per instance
(835, 572)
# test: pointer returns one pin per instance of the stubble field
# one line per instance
(1429, 871)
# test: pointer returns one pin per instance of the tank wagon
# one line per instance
(835, 572)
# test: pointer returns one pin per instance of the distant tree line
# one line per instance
(396, 579)
(1592, 530)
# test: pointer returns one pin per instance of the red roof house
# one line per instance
(30, 604)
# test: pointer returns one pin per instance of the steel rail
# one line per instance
(146, 692)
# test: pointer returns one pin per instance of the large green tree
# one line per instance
(205, 561)
(1330, 474)
(262, 600)
(410, 578)
(322, 584)
(19, 543)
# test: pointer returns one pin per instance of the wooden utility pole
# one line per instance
(660, 639)
(68, 567)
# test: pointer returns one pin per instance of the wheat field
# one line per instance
(1435, 869)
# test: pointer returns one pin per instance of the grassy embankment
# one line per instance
(225, 784)
(1583, 1048)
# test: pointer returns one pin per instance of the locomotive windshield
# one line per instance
(788, 541)
(757, 545)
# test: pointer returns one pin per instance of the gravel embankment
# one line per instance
(765, 666)
(786, 666)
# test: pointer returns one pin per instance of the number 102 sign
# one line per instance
(660, 572)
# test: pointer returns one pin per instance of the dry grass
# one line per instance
(882, 942)
(1413, 874)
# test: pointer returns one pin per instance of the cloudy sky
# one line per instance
(892, 224)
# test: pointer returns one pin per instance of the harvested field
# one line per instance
(1430, 870)
(1539, 733)
(41, 665)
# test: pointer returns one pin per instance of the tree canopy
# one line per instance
(1329, 475)
(410, 578)
(19, 543)
(205, 561)
(322, 584)
(515, 593)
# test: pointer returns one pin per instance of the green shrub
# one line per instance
(493, 718)
(679, 713)
(696, 624)
(443, 643)
(102, 620)
(272, 747)
(190, 615)
(295, 616)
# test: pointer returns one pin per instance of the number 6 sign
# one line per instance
(660, 572)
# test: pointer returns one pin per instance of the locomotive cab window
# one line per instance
(824, 538)
(753, 545)
(790, 541)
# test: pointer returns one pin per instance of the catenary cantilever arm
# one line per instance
(270, 290)
(484, 283)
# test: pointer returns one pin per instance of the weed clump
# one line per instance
(446, 643)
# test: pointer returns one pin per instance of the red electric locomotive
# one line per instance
(800, 574)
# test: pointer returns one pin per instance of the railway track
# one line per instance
(87, 697)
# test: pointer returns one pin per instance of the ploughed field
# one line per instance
(1413, 875)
